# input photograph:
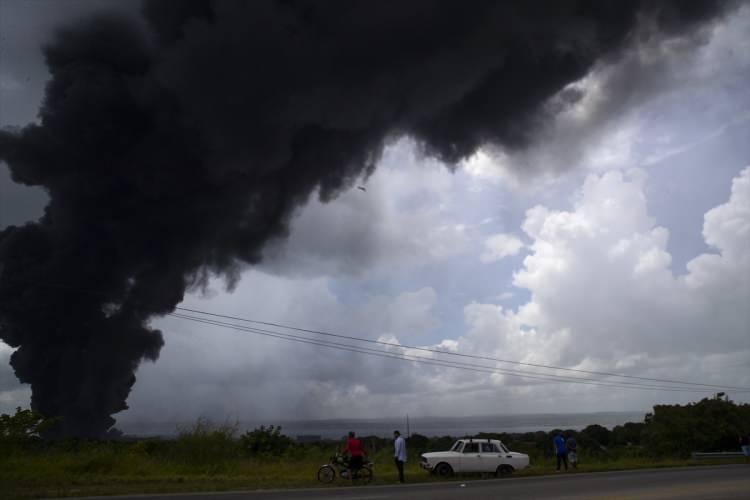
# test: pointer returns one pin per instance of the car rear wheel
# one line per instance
(444, 470)
(504, 471)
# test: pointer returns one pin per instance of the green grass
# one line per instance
(107, 469)
(626, 463)
(104, 472)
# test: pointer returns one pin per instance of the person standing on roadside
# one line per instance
(745, 446)
(356, 453)
(399, 454)
(561, 452)
(572, 447)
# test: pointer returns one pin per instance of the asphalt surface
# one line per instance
(706, 482)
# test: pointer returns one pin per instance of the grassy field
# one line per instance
(208, 457)
(106, 469)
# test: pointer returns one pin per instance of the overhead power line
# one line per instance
(696, 385)
(408, 357)
(435, 362)
(462, 355)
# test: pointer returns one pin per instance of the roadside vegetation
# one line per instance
(218, 457)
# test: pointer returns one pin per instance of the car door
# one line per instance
(490, 457)
(470, 457)
(507, 457)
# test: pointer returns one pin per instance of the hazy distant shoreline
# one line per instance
(427, 426)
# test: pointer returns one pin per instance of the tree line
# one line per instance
(711, 424)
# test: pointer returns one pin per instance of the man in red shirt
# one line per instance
(356, 453)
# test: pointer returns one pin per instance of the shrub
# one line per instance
(153, 447)
(100, 459)
(265, 441)
(206, 444)
(712, 424)
(628, 434)
(25, 425)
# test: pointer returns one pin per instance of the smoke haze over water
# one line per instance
(426, 426)
(175, 149)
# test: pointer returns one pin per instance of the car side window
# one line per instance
(471, 448)
(489, 448)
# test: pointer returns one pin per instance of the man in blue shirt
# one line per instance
(561, 451)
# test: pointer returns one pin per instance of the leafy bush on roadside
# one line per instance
(712, 424)
(265, 441)
(628, 434)
(153, 447)
(23, 428)
(206, 444)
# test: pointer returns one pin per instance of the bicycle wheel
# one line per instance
(326, 474)
(364, 475)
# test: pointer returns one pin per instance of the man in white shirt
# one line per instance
(399, 454)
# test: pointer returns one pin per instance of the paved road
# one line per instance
(707, 482)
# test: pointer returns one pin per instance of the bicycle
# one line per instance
(339, 464)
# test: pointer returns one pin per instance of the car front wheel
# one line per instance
(444, 470)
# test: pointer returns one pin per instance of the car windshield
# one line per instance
(456, 446)
(502, 447)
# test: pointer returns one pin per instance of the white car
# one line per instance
(474, 455)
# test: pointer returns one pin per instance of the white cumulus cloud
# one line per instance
(603, 293)
(499, 246)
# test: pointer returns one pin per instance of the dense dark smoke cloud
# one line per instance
(175, 149)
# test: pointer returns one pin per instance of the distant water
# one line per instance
(428, 426)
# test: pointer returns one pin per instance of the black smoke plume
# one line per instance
(176, 148)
